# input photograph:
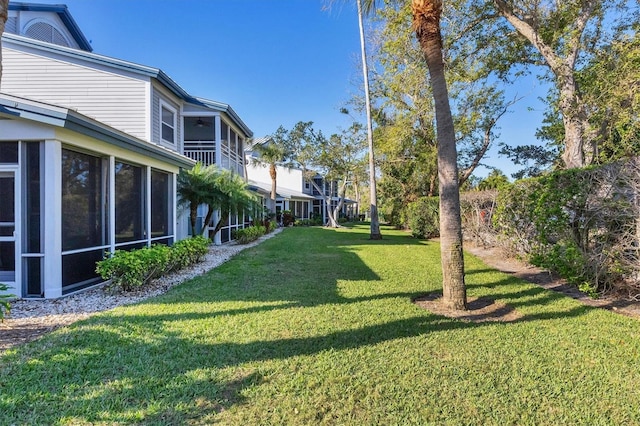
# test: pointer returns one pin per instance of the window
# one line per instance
(83, 201)
(130, 205)
(9, 152)
(168, 119)
(160, 217)
(84, 221)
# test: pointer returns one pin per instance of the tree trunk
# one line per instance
(4, 14)
(224, 216)
(207, 219)
(375, 222)
(273, 173)
(193, 218)
(575, 122)
(571, 106)
(426, 20)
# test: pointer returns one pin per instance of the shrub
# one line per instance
(188, 252)
(287, 218)
(5, 307)
(423, 217)
(128, 270)
(476, 210)
(249, 234)
(579, 223)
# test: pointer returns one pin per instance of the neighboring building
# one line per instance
(295, 193)
(114, 135)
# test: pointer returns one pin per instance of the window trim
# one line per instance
(173, 126)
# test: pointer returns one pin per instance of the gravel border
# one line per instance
(30, 319)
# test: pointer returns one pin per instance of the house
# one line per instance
(295, 193)
(90, 147)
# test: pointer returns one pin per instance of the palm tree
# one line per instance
(4, 14)
(426, 23)
(236, 197)
(272, 153)
(195, 187)
(374, 233)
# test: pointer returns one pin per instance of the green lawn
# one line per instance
(316, 326)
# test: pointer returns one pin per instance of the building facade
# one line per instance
(90, 147)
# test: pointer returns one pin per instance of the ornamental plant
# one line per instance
(5, 307)
(249, 234)
(129, 270)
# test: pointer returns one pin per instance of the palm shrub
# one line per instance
(199, 186)
(234, 197)
(5, 307)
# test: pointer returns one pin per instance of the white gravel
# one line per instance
(50, 314)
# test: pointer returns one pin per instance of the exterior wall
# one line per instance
(158, 95)
(52, 142)
(118, 100)
(286, 178)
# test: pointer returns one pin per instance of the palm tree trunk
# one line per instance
(375, 223)
(4, 14)
(193, 218)
(274, 192)
(426, 20)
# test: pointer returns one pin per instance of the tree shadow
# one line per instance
(149, 364)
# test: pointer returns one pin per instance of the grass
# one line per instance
(316, 326)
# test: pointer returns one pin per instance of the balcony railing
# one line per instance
(201, 151)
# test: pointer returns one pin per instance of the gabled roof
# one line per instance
(63, 12)
(17, 107)
(132, 67)
(221, 107)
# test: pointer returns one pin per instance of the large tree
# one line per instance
(405, 135)
(426, 24)
(374, 233)
(4, 14)
(334, 160)
(426, 21)
(557, 31)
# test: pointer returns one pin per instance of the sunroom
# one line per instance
(73, 188)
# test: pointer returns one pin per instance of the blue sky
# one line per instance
(276, 62)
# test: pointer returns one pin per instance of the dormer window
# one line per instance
(168, 118)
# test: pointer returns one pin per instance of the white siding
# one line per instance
(114, 99)
(285, 177)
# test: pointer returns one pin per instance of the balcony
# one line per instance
(201, 151)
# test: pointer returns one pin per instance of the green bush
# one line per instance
(579, 223)
(188, 252)
(287, 218)
(423, 217)
(128, 270)
(5, 307)
(249, 234)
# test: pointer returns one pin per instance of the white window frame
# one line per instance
(174, 125)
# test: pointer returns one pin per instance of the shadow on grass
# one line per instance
(134, 363)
